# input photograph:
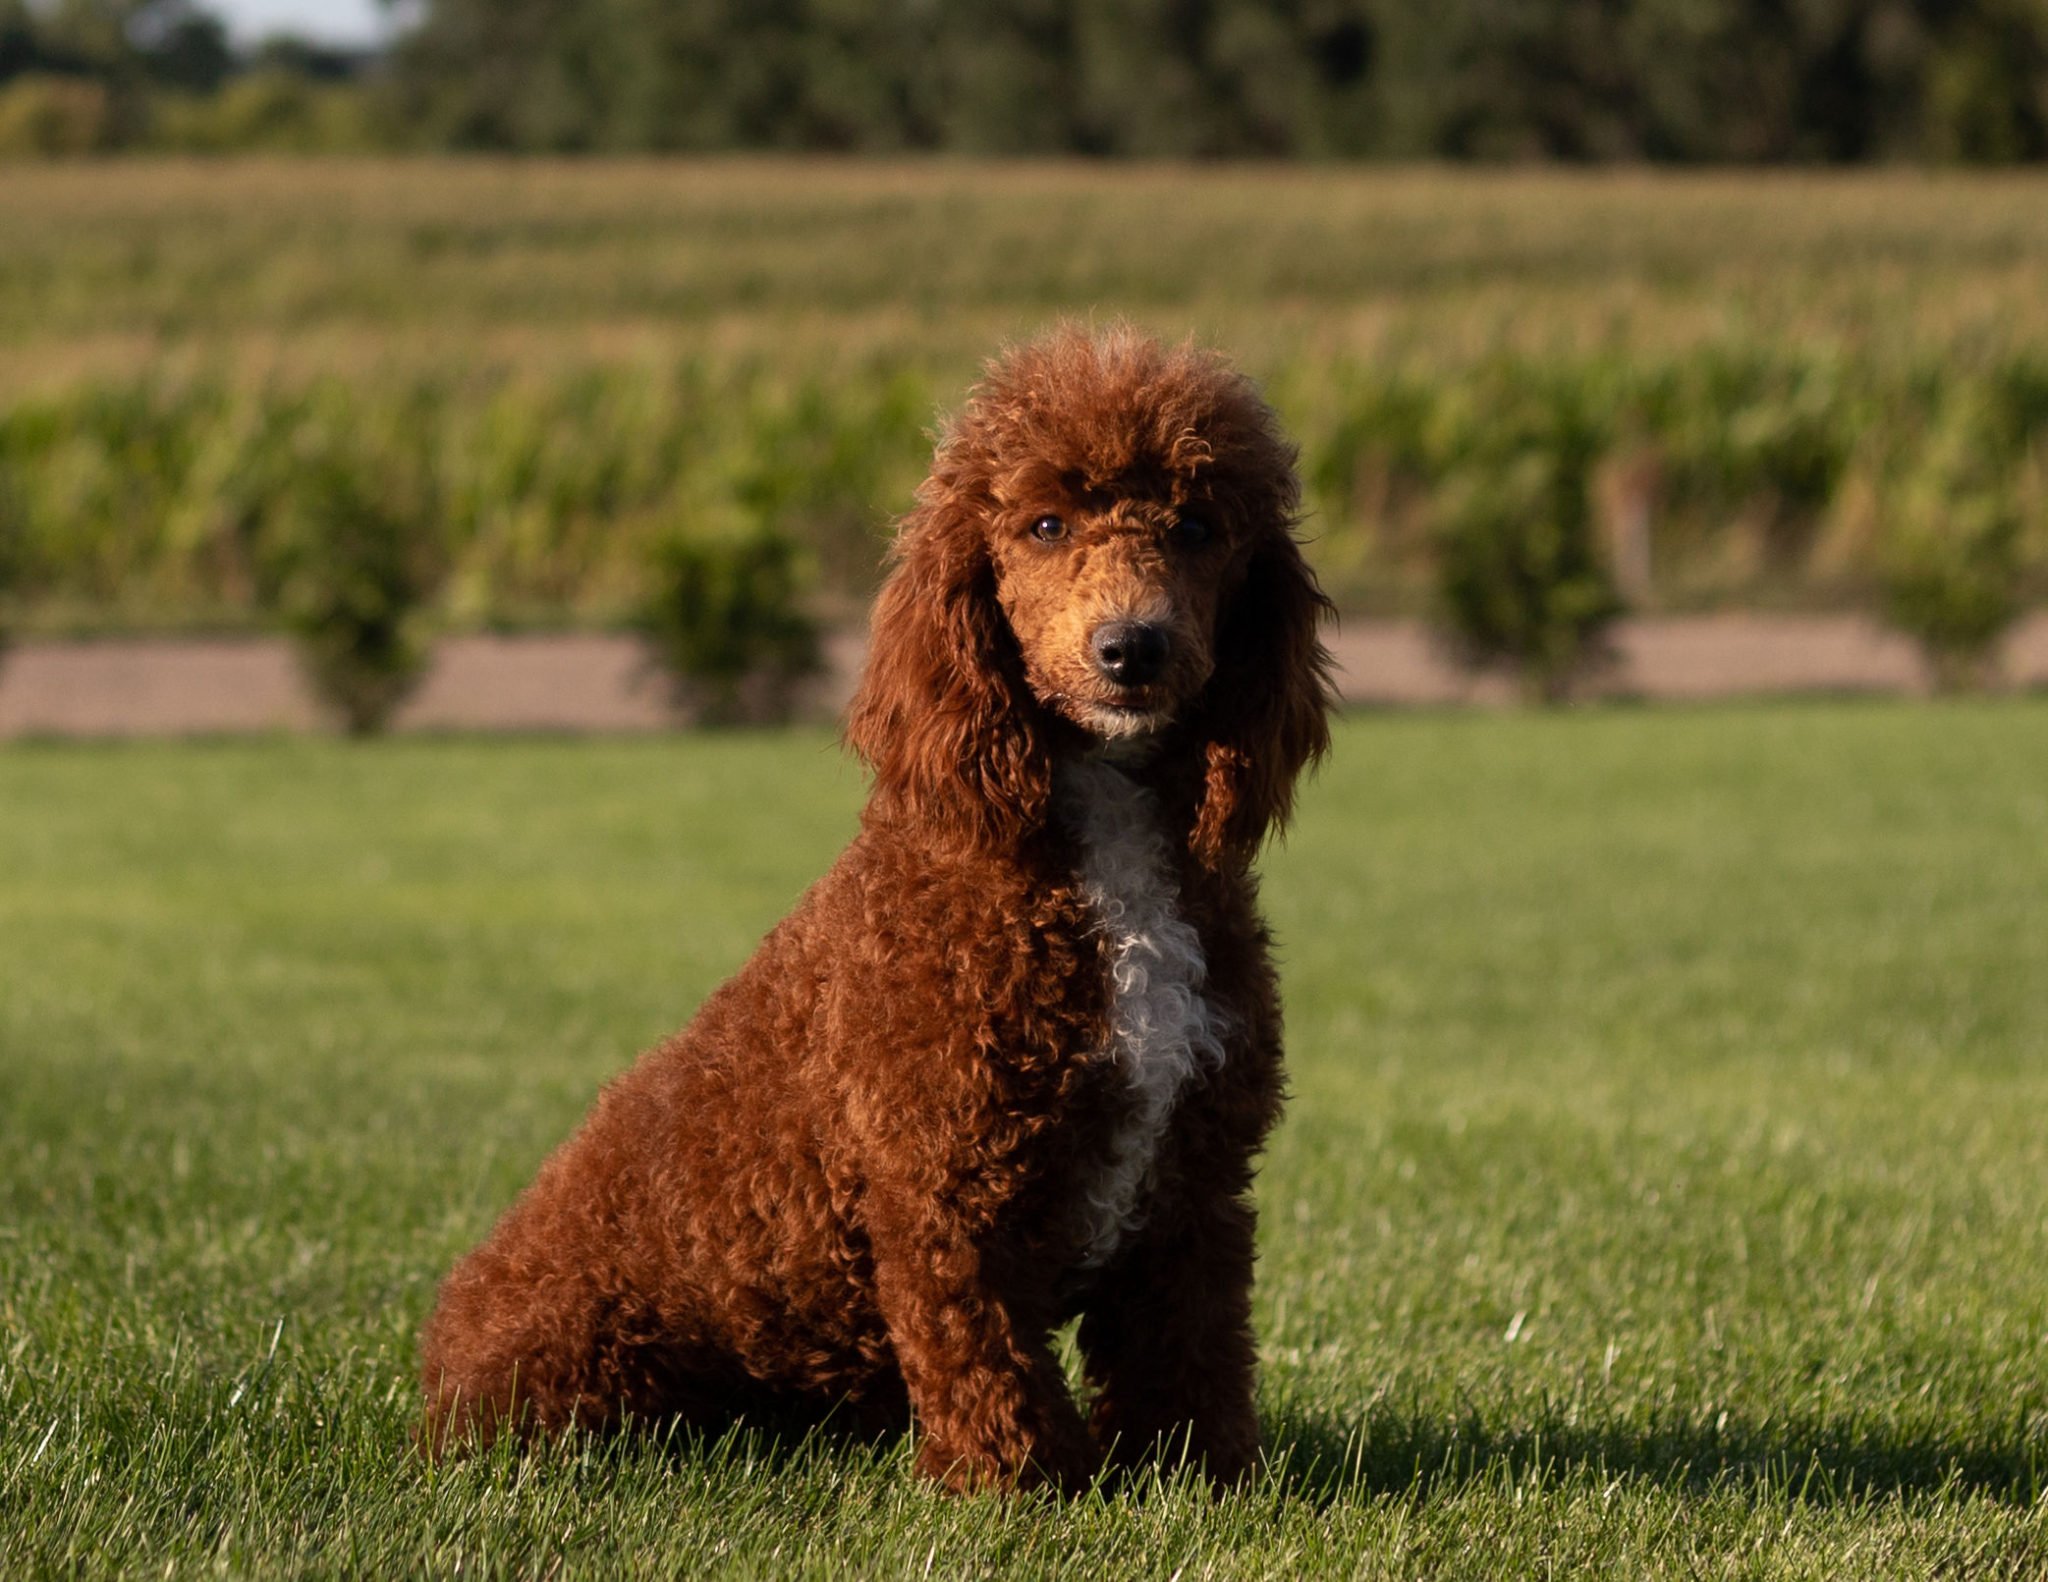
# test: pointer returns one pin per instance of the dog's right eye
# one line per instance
(1048, 529)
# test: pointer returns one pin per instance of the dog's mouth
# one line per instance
(1134, 711)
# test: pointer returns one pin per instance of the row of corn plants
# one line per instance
(1529, 503)
(725, 517)
(1525, 503)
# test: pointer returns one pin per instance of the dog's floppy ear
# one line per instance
(942, 713)
(1265, 715)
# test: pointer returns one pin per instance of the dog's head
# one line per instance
(1102, 557)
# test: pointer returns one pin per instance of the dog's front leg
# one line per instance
(993, 1409)
(1167, 1341)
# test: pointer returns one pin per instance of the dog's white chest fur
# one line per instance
(1162, 1029)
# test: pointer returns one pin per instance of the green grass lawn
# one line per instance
(1665, 1190)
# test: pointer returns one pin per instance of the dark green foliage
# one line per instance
(88, 76)
(1984, 98)
(1950, 560)
(630, 74)
(1675, 80)
(1521, 581)
(1696, 80)
(726, 620)
(354, 563)
(183, 46)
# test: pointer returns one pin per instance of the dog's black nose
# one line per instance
(1130, 653)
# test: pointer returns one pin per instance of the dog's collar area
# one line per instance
(1129, 749)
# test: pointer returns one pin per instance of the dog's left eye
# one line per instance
(1048, 529)
(1190, 532)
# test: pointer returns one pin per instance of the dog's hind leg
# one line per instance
(508, 1352)
(527, 1339)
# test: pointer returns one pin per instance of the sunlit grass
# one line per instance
(1663, 1191)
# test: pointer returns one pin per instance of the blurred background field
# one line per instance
(1771, 382)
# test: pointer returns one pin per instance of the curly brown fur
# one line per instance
(1012, 1058)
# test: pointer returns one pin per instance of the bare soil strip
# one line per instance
(138, 687)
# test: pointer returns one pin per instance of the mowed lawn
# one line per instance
(1665, 1189)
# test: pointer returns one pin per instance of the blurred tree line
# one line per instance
(1660, 80)
(93, 76)
(1707, 80)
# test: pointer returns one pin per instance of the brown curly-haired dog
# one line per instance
(1011, 1059)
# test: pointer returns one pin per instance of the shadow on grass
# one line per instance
(1418, 1455)
(1417, 1452)
(1814, 1461)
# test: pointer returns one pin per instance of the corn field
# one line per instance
(1790, 390)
